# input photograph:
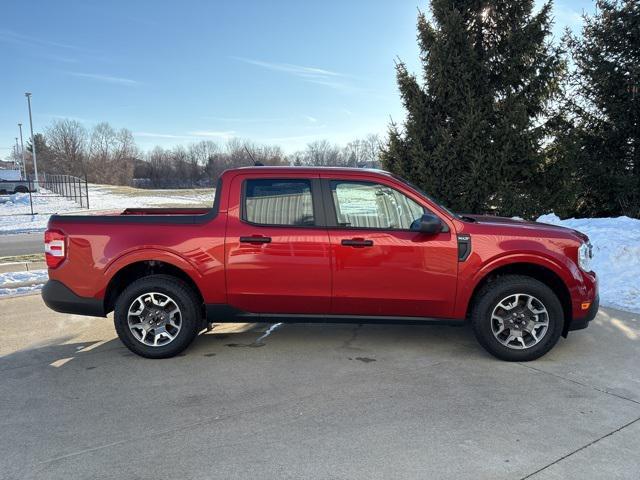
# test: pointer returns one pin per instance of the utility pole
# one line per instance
(17, 149)
(33, 142)
(24, 164)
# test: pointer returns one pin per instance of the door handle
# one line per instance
(255, 239)
(357, 242)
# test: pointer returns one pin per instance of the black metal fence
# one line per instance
(45, 195)
(73, 188)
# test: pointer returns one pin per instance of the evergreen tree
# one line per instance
(604, 138)
(43, 154)
(475, 126)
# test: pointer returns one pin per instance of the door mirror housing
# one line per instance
(429, 224)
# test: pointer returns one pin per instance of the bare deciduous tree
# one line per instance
(67, 141)
(107, 155)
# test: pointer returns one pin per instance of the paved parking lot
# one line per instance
(314, 401)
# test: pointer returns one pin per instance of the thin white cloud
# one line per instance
(189, 135)
(59, 58)
(158, 135)
(106, 78)
(9, 36)
(55, 116)
(213, 133)
(298, 70)
(319, 76)
(311, 119)
(244, 119)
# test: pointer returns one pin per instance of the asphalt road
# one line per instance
(314, 401)
(21, 244)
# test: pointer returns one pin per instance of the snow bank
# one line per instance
(17, 199)
(9, 279)
(16, 283)
(616, 260)
(6, 292)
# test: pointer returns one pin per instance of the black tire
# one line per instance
(489, 297)
(21, 189)
(185, 298)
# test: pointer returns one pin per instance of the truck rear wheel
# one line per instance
(517, 318)
(157, 316)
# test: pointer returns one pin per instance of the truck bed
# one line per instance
(165, 211)
(143, 215)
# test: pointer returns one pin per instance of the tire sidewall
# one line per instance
(491, 297)
(184, 298)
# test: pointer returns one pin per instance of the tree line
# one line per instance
(502, 119)
(107, 155)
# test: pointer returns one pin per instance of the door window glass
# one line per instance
(373, 205)
(278, 202)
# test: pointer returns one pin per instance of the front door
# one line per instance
(380, 266)
(277, 252)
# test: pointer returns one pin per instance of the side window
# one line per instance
(278, 202)
(372, 205)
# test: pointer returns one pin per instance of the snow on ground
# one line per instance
(5, 292)
(14, 283)
(15, 214)
(616, 256)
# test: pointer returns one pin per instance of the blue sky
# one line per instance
(280, 72)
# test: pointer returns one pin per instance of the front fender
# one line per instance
(470, 276)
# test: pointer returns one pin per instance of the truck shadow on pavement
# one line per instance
(355, 341)
(365, 343)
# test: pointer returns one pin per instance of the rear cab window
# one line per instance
(278, 202)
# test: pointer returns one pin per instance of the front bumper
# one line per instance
(57, 296)
(583, 322)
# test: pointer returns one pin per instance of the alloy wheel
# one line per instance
(154, 319)
(519, 321)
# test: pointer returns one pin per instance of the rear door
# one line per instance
(380, 266)
(277, 251)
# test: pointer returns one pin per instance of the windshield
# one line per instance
(426, 195)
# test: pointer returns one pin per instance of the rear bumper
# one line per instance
(57, 296)
(583, 322)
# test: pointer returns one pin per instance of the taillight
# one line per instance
(54, 248)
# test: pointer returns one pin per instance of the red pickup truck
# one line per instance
(296, 244)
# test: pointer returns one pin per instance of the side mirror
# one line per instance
(428, 223)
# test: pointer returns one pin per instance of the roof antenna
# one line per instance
(255, 163)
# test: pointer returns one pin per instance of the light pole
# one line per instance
(17, 147)
(24, 166)
(33, 141)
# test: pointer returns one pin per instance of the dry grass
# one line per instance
(32, 257)
(141, 192)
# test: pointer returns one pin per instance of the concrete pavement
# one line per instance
(315, 401)
(21, 244)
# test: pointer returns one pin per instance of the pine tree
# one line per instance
(475, 126)
(605, 135)
(43, 154)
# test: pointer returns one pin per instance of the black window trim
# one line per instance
(332, 216)
(317, 205)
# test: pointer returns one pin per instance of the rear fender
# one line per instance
(152, 254)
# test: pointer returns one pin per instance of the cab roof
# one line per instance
(291, 169)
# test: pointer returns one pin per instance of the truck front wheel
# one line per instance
(157, 316)
(517, 318)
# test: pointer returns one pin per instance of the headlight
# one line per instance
(585, 254)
